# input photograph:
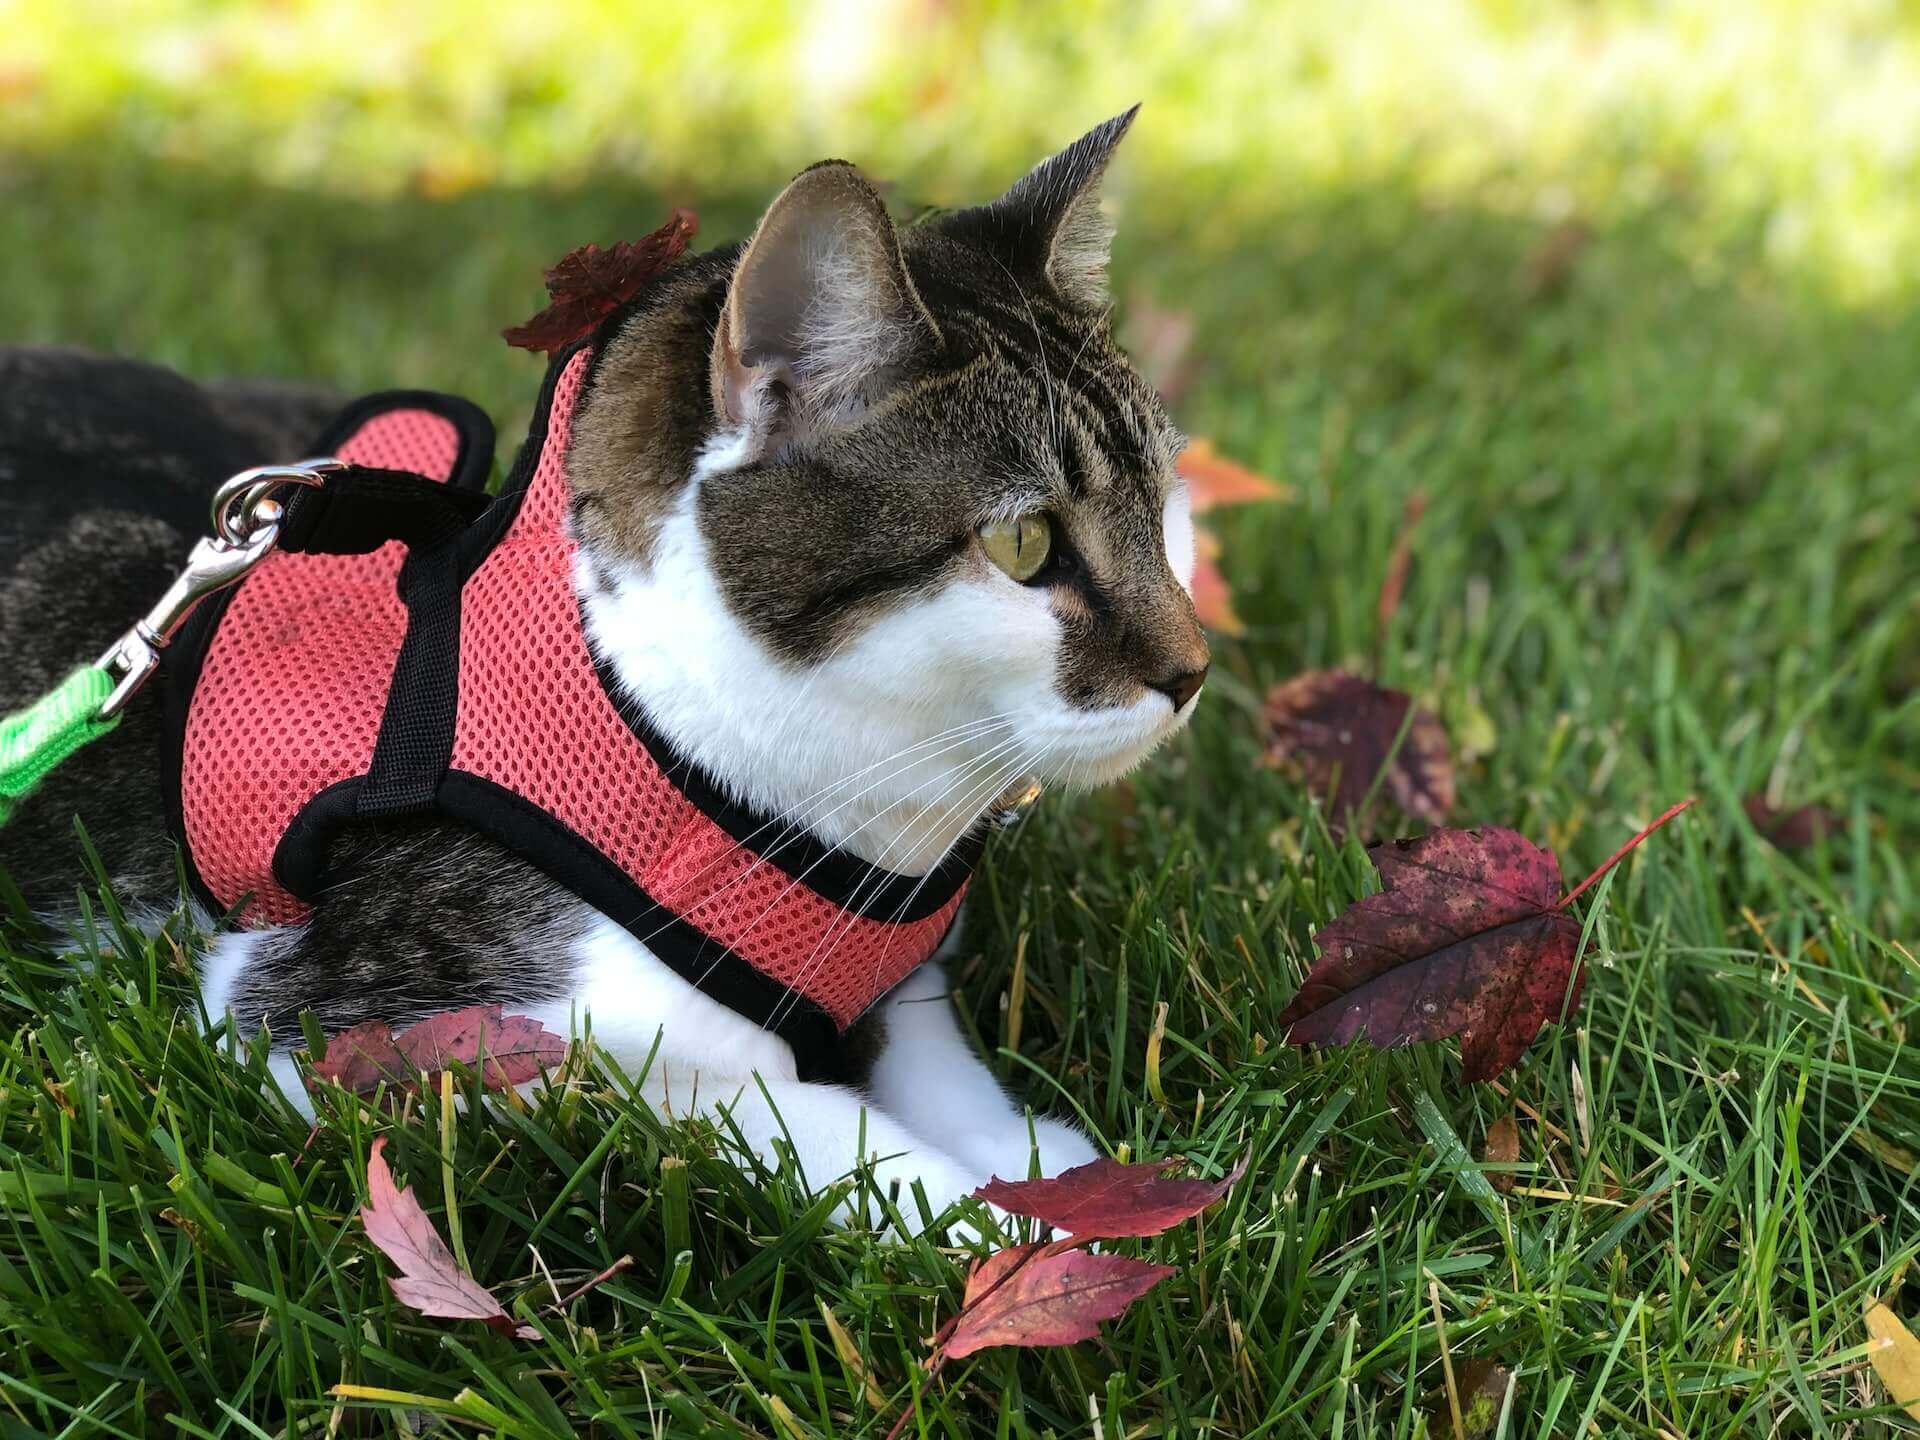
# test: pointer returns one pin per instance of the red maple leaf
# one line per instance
(1337, 731)
(1056, 1292)
(1470, 937)
(1105, 1200)
(589, 284)
(1044, 1295)
(516, 1050)
(430, 1279)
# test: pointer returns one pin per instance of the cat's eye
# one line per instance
(1019, 546)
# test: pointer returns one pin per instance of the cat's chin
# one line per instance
(1080, 750)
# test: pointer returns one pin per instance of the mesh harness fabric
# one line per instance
(452, 676)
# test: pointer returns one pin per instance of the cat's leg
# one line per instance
(222, 969)
(927, 1075)
(420, 916)
(701, 1058)
(830, 1132)
(576, 972)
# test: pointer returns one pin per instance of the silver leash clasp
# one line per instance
(246, 527)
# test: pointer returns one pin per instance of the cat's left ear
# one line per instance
(1050, 222)
(821, 319)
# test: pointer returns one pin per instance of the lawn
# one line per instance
(1631, 301)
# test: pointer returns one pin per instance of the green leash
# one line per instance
(34, 740)
(87, 704)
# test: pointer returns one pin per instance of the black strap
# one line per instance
(362, 507)
(357, 511)
(415, 743)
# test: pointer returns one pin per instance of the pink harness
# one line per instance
(353, 676)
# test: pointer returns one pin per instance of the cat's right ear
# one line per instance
(822, 317)
(1049, 227)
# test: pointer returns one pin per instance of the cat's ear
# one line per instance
(822, 317)
(1050, 222)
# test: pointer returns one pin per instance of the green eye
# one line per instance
(1019, 546)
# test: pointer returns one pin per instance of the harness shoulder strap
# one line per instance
(362, 507)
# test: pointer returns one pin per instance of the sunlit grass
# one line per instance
(1622, 289)
(1801, 120)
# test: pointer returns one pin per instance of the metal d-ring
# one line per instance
(246, 524)
(234, 523)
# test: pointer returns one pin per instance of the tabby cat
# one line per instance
(875, 524)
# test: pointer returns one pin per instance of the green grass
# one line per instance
(1673, 548)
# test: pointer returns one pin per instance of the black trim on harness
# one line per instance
(300, 856)
(833, 874)
(415, 742)
(481, 536)
(699, 960)
(180, 662)
(472, 465)
(361, 508)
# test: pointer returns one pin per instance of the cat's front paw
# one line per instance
(918, 1190)
(1009, 1153)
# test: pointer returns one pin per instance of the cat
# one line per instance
(876, 524)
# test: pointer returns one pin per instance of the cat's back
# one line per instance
(83, 433)
(106, 468)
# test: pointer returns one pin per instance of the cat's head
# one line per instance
(886, 514)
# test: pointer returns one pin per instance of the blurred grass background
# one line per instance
(1628, 290)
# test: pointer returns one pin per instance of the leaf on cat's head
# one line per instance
(589, 284)
(1337, 732)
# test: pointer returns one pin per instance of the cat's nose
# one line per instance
(1182, 687)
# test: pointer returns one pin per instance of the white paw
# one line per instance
(1009, 1152)
(903, 1180)
(1062, 1146)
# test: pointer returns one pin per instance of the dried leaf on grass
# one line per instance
(1212, 596)
(1024, 1297)
(1481, 1386)
(430, 1279)
(515, 1050)
(1106, 1200)
(1895, 1354)
(1796, 829)
(1337, 732)
(1470, 937)
(1502, 1149)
